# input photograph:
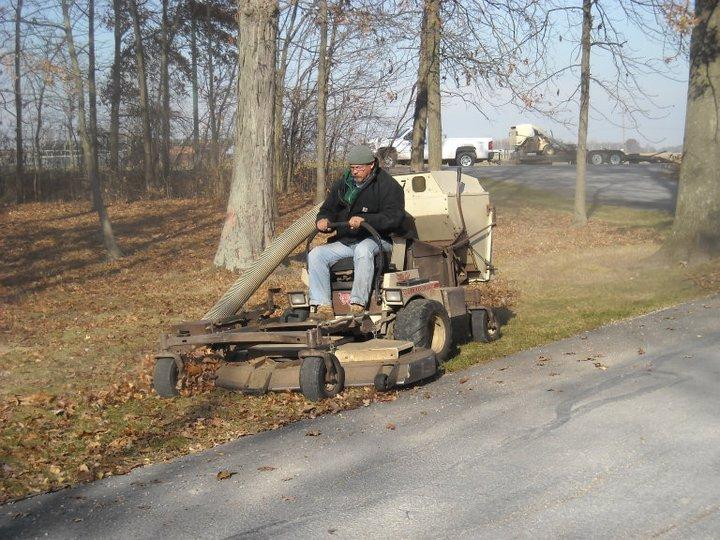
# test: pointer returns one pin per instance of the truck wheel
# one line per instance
(382, 382)
(482, 329)
(595, 158)
(295, 315)
(316, 382)
(465, 159)
(165, 377)
(615, 159)
(427, 324)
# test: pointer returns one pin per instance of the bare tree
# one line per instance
(148, 157)
(420, 116)
(116, 89)
(111, 247)
(248, 223)
(322, 92)
(696, 229)
(434, 29)
(19, 154)
(580, 212)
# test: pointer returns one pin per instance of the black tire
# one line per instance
(315, 382)
(426, 323)
(465, 159)
(165, 377)
(382, 382)
(295, 315)
(482, 329)
(615, 159)
(595, 158)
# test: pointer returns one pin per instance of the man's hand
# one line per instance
(355, 222)
(323, 225)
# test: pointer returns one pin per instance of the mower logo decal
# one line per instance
(420, 288)
(344, 298)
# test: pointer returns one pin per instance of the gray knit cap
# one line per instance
(360, 155)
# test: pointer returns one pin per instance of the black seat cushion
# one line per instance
(343, 265)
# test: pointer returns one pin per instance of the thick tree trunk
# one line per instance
(148, 161)
(194, 84)
(580, 212)
(696, 229)
(165, 92)
(92, 97)
(19, 154)
(36, 139)
(322, 93)
(248, 224)
(115, 96)
(111, 247)
(417, 152)
(434, 29)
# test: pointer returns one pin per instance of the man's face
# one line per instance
(361, 172)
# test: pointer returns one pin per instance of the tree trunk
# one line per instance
(279, 100)
(92, 97)
(148, 161)
(19, 154)
(194, 84)
(115, 97)
(322, 93)
(434, 29)
(211, 92)
(696, 229)
(165, 93)
(111, 247)
(580, 212)
(417, 152)
(248, 224)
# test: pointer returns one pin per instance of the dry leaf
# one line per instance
(313, 433)
(463, 380)
(641, 351)
(599, 365)
(390, 426)
(225, 474)
(266, 468)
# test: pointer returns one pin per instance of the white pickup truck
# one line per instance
(464, 151)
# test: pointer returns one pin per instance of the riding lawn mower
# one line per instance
(425, 299)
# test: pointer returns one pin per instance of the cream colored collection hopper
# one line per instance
(442, 218)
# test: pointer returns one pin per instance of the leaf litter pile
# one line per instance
(77, 336)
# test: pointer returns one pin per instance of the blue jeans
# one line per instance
(321, 258)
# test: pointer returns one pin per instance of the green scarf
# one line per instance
(353, 190)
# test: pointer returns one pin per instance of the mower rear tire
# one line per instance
(483, 330)
(165, 377)
(426, 323)
(316, 383)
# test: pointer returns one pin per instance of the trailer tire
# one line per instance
(426, 323)
(165, 377)
(615, 159)
(314, 383)
(482, 329)
(595, 158)
(465, 159)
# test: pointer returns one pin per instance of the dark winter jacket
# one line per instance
(381, 202)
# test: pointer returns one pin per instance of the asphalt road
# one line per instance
(611, 433)
(649, 186)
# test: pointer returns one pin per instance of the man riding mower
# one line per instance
(424, 296)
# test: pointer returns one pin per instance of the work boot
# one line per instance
(357, 309)
(322, 313)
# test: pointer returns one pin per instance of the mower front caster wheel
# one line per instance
(382, 382)
(317, 382)
(165, 377)
(484, 328)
